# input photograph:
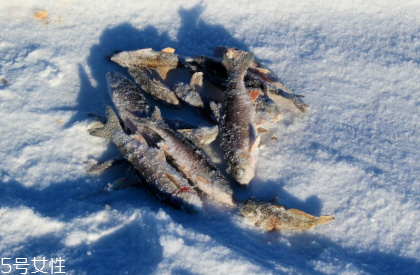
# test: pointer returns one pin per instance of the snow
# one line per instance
(354, 155)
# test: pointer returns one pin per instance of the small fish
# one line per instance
(157, 89)
(271, 217)
(162, 61)
(238, 131)
(150, 162)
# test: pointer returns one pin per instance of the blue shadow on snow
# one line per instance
(133, 241)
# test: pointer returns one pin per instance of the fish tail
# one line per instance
(111, 124)
(237, 61)
(325, 219)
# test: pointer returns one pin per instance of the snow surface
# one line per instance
(354, 155)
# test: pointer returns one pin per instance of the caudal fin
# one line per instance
(111, 124)
(325, 219)
(239, 61)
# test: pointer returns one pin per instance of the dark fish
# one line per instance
(238, 131)
(150, 162)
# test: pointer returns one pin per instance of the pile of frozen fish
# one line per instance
(165, 154)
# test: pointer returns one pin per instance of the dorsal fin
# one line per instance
(156, 115)
(111, 124)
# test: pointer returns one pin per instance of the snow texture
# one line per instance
(354, 155)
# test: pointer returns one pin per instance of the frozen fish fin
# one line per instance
(237, 63)
(105, 165)
(255, 144)
(325, 219)
(262, 130)
(130, 179)
(254, 138)
(111, 124)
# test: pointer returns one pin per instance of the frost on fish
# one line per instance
(188, 159)
(162, 61)
(238, 131)
(128, 99)
(157, 89)
(150, 162)
(200, 136)
(271, 217)
(191, 162)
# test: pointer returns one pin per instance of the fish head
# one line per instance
(243, 168)
(121, 59)
(248, 208)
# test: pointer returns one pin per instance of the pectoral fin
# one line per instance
(254, 94)
(254, 138)
(255, 145)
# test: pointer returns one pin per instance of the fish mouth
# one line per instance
(243, 175)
